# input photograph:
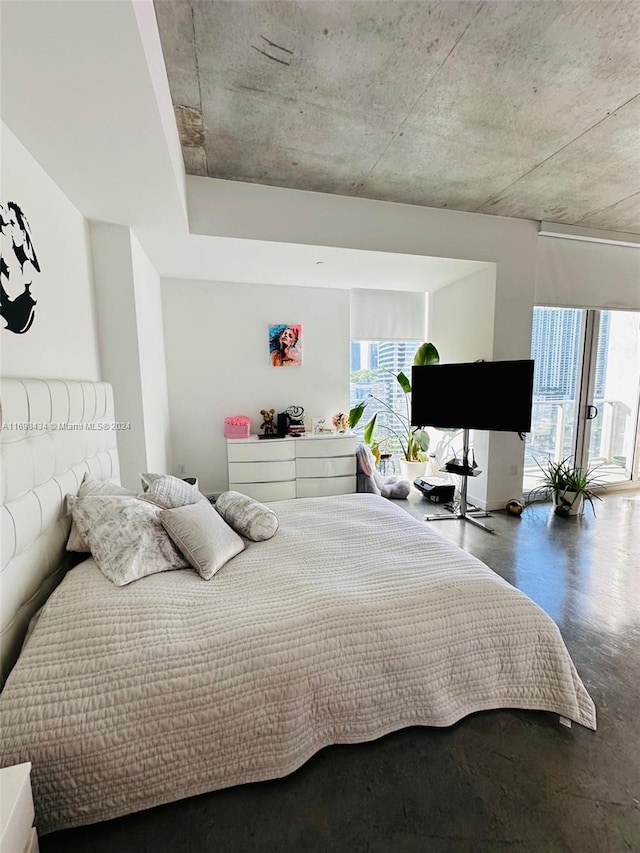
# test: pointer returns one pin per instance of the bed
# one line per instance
(352, 621)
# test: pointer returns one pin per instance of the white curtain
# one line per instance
(387, 315)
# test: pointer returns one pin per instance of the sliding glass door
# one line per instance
(612, 410)
(586, 391)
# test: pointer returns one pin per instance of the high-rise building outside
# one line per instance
(556, 340)
(355, 355)
(380, 362)
(556, 346)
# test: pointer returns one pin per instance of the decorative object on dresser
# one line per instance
(268, 426)
(237, 426)
(341, 421)
(296, 420)
(307, 466)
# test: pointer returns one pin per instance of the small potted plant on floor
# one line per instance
(568, 485)
(414, 442)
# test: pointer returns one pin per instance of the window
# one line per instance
(374, 365)
(585, 396)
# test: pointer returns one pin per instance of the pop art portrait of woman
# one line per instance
(285, 344)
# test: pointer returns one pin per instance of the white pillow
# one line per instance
(91, 486)
(126, 538)
(247, 516)
(204, 538)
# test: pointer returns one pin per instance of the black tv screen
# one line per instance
(491, 395)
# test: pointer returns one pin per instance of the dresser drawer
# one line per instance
(16, 810)
(312, 447)
(261, 451)
(267, 491)
(328, 466)
(291, 467)
(319, 487)
(261, 472)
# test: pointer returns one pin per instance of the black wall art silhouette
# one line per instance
(18, 263)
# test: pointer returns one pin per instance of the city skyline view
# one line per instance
(374, 365)
(557, 340)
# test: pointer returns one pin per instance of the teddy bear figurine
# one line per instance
(267, 424)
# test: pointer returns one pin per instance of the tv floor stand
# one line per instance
(460, 511)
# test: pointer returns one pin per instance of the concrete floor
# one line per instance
(498, 780)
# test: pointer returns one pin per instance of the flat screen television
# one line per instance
(490, 395)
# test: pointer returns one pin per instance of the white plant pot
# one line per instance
(563, 498)
(411, 470)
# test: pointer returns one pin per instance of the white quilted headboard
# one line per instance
(52, 432)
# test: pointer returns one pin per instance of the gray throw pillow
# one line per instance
(247, 516)
(91, 486)
(126, 537)
(204, 538)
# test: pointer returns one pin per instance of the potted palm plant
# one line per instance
(414, 442)
(568, 485)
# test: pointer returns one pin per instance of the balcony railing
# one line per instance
(552, 435)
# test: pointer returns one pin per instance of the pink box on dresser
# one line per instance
(237, 426)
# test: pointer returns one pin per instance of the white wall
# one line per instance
(132, 348)
(115, 298)
(580, 274)
(461, 325)
(218, 363)
(153, 375)
(82, 88)
(251, 211)
(62, 341)
(462, 318)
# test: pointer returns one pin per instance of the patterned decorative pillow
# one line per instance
(204, 538)
(147, 479)
(170, 492)
(247, 516)
(126, 537)
(91, 486)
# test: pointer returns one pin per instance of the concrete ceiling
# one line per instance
(524, 109)
(100, 123)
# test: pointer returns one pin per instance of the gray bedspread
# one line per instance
(353, 621)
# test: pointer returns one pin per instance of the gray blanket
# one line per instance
(353, 621)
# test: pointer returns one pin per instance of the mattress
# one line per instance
(354, 620)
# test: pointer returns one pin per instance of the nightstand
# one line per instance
(17, 832)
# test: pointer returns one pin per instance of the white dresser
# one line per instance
(303, 467)
(17, 833)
